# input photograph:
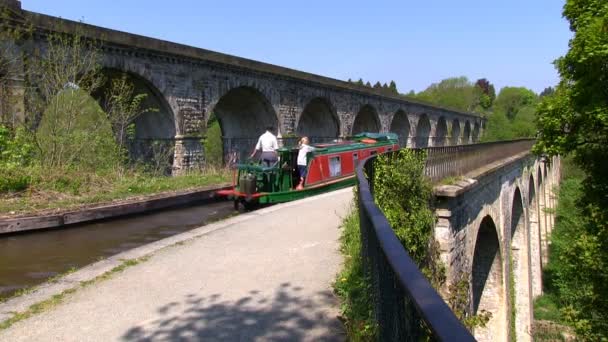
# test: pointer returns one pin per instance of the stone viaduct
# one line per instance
(493, 232)
(189, 84)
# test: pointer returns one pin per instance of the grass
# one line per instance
(546, 307)
(73, 188)
(351, 285)
(59, 298)
(450, 180)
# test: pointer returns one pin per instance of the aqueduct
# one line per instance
(189, 84)
(493, 232)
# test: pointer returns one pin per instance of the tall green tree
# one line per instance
(485, 92)
(575, 121)
(454, 92)
(511, 99)
(393, 87)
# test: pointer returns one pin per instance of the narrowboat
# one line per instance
(331, 166)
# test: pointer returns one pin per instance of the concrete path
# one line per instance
(266, 277)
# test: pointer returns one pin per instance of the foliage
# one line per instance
(123, 106)
(511, 99)
(513, 115)
(575, 121)
(458, 300)
(73, 130)
(352, 286)
(213, 143)
(401, 177)
(456, 92)
(488, 93)
(547, 92)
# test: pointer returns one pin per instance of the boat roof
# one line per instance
(357, 142)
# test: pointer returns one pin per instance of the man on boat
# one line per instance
(268, 145)
(302, 160)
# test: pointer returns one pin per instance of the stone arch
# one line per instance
(243, 114)
(488, 288)
(441, 132)
(455, 134)
(466, 135)
(319, 120)
(423, 131)
(520, 262)
(155, 129)
(535, 241)
(475, 136)
(401, 126)
(367, 120)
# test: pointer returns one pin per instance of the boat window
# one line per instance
(371, 153)
(335, 166)
(355, 158)
(389, 149)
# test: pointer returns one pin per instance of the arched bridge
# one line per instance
(187, 85)
(492, 229)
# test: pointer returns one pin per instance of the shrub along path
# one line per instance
(265, 275)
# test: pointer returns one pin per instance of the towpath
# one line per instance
(265, 275)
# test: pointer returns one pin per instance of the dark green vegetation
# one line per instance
(564, 284)
(510, 114)
(413, 221)
(574, 121)
(65, 150)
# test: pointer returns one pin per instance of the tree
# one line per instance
(574, 121)
(547, 92)
(360, 82)
(349, 81)
(511, 99)
(377, 85)
(367, 84)
(123, 106)
(485, 93)
(454, 92)
(72, 130)
(393, 87)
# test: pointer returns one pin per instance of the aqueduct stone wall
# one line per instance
(493, 233)
(189, 84)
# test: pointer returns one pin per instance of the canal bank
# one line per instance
(95, 212)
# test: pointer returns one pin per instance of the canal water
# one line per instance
(30, 259)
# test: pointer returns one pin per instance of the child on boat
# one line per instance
(302, 160)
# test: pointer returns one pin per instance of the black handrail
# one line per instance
(409, 284)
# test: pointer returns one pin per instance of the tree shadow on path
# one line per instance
(288, 314)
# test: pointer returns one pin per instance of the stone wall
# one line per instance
(492, 200)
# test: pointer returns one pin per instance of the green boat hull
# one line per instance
(292, 195)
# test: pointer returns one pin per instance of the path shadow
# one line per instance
(286, 315)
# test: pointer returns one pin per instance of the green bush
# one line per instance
(213, 144)
(13, 180)
(74, 131)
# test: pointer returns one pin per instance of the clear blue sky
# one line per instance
(415, 43)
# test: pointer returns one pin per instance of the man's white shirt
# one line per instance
(267, 143)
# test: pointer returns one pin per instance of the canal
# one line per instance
(30, 259)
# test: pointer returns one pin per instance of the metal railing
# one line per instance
(406, 305)
(452, 161)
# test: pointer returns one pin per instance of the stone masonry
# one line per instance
(495, 232)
